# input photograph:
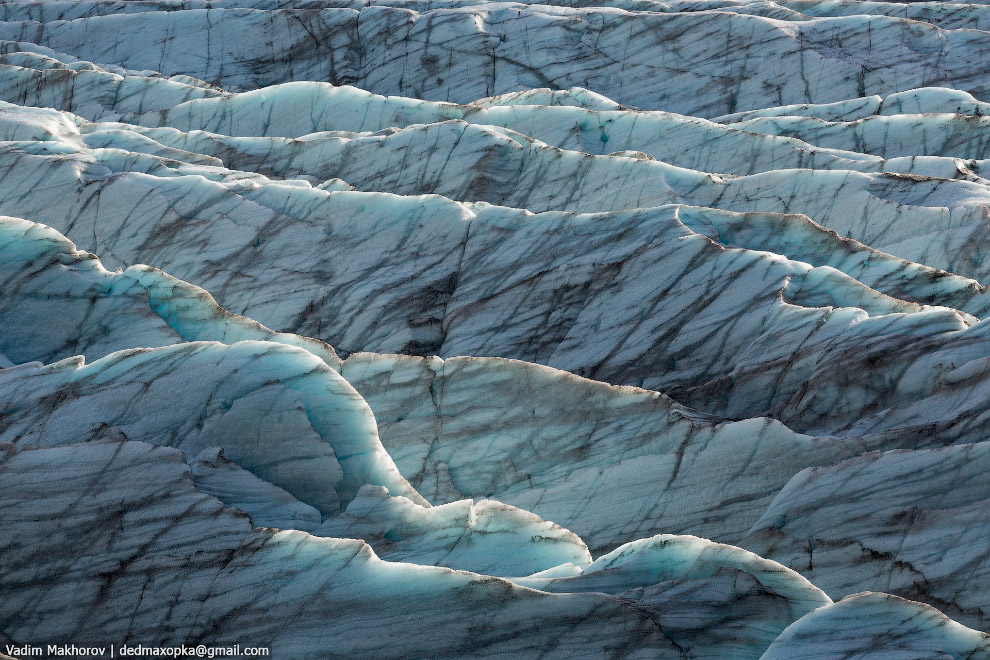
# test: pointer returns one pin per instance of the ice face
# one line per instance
(886, 627)
(325, 427)
(637, 438)
(227, 581)
(416, 329)
(537, 414)
(922, 536)
(702, 593)
(782, 62)
(269, 422)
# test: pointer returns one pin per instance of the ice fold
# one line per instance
(422, 328)
(553, 443)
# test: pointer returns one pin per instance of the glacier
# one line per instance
(544, 329)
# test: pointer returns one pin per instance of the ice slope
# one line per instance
(788, 237)
(123, 305)
(731, 583)
(556, 443)
(245, 416)
(683, 141)
(469, 162)
(963, 14)
(932, 221)
(283, 416)
(90, 311)
(571, 289)
(553, 443)
(299, 109)
(684, 62)
(37, 76)
(127, 548)
(284, 157)
(461, 283)
(427, 409)
(327, 439)
(928, 100)
(885, 627)
(802, 277)
(897, 136)
(923, 539)
(478, 163)
(576, 120)
(496, 162)
(683, 573)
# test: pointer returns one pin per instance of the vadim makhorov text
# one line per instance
(133, 651)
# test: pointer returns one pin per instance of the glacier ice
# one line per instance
(228, 582)
(435, 439)
(888, 627)
(710, 599)
(623, 53)
(422, 328)
(291, 424)
(328, 445)
(642, 436)
(571, 293)
(923, 538)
